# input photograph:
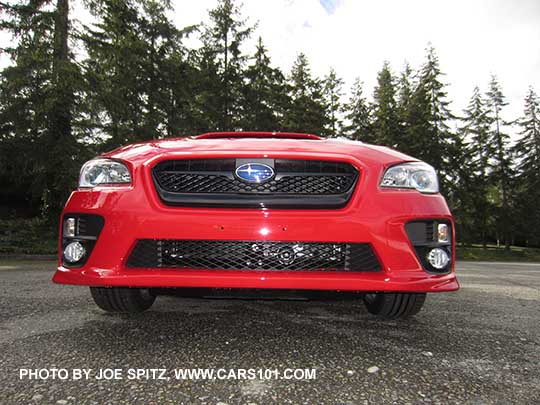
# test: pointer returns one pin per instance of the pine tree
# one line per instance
(179, 95)
(474, 184)
(166, 74)
(332, 87)
(264, 98)
(527, 152)
(113, 70)
(429, 137)
(501, 170)
(386, 129)
(42, 85)
(358, 115)
(405, 86)
(62, 145)
(24, 87)
(417, 126)
(223, 64)
(437, 103)
(135, 70)
(404, 103)
(476, 129)
(307, 111)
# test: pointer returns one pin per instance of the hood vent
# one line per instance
(271, 135)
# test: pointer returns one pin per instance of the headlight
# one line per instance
(417, 175)
(103, 171)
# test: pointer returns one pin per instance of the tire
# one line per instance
(122, 299)
(394, 305)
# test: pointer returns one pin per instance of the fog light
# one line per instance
(74, 252)
(443, 233)
(438, 258)
(69, 227)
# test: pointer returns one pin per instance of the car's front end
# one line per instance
(250, 211)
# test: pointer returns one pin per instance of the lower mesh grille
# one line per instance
(253, 255)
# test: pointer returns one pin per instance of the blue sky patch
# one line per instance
(329, 5)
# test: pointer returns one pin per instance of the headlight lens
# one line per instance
(104, 171)
(417, 175)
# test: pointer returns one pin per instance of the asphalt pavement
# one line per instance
(480, 345)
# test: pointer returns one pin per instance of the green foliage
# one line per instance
(497, 254)
(499, 162)
(473, 193)
(38, 103)
(527, 149)
(306, 112)
(385, 126)
(527, 152)
(137, 72)
(358, 115)
(23, 88)
(405, 92)
(27, 236)
(332, 92)
(222, 64)
(430, 133)
(404, 106)
(265, 97)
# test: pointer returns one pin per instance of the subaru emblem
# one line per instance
(254, 172)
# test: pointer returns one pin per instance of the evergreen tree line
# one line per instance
(75, 90)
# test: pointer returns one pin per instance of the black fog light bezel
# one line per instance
(87, 230)
(423, 235)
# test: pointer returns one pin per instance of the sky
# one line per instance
(473, 39)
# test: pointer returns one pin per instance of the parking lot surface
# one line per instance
(478, 345)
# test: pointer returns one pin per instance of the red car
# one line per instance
(258, 210)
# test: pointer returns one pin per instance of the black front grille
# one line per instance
(253, 255)
(296, 183)
(209, 183)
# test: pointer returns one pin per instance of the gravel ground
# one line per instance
(480, 345)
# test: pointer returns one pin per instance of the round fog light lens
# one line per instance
(438, 258)
(74, 252)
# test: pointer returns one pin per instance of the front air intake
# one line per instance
(253, 255)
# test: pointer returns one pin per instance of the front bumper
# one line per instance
(377, 218)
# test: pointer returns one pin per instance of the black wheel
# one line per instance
(122, 299)
(394, 305)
